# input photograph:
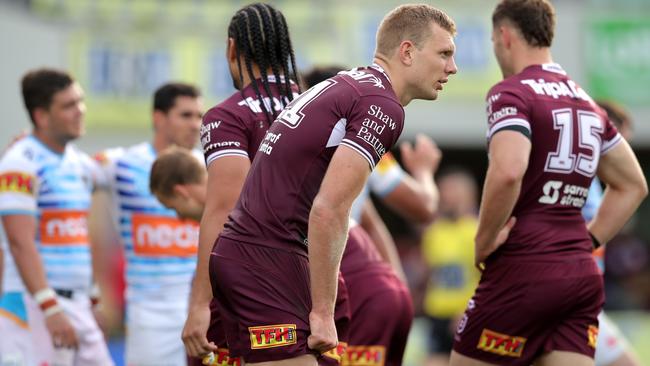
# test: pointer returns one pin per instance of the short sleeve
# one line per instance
(104, 168)
(223, 135)
(611, 137)
(373, 127)
(18, 185)
(507, 110)
(386, 176)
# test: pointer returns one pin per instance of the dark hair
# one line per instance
(261, 36)
(319, 73)
(174, 165)
(39, 87)
(616, 113)
(165, 96)
(535, 19)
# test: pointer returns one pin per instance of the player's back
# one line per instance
(358, 109)
(237, 125)
(568, 132)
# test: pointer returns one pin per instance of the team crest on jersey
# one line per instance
(592, 336)
(17, 182)
(501, 344)
(269, 336)
(364, 356)
(221, 358)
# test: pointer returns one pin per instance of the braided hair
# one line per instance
(261, 38)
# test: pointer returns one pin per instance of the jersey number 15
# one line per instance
(564, 159)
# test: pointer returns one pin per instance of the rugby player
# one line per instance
(160, 248)
(540, 291)
(46, 184)
(276, 296)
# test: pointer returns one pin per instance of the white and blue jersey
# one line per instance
(56, 189)
(160, 249)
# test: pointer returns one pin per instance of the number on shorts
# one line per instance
(563, 160)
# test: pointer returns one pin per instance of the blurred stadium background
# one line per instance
(121, 50)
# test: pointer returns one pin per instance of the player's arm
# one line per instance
(226, 176)
(509, 152)
(328, 227)
(21, 231)
(625, 189)
(378, 232)
(416, 196)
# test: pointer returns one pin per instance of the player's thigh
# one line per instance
(563, 358)
(264, 298)
(457, 359)
(150, 346)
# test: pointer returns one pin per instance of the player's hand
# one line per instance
(484, 251)
(423, 156)
(195, 330)
(61, 330)
(323, 333)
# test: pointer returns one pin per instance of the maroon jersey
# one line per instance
(237, 125)
(569, 133)
(357, 108)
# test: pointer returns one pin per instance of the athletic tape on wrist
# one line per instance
(44, 295)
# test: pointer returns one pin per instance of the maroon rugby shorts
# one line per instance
(523, 309)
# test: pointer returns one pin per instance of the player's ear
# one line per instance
(405, 52)
(231, 50)
(181, 190)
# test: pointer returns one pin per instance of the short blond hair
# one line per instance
(410, 22)
(174, 165)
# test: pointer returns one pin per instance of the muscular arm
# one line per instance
(509, 153)
(21, 231)
(328, 225)
(226, 177)
(378, 232)
(625, 189)
(225, 180)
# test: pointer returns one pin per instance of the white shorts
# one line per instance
(30, 342)
(611, 343)
(153, 334)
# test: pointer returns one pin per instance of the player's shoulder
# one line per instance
(109, 156)
(228, 111)
(367, 81)
(24, 154)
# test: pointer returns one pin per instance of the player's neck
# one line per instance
(160, 143)
(50, 141)
(396, 83)
(246, 80)
(532, 56)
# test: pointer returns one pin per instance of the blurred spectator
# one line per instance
(448, 249)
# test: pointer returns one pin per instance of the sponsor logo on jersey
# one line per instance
(163, 236)
(269, 141)
(566, 195)
(592, 336)
(364, 356)
(17, 182)
(556, 89)
(221, 358)
(337, 353)
(501, 344)
(63, 227)
(270, 336)
(502, 113)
